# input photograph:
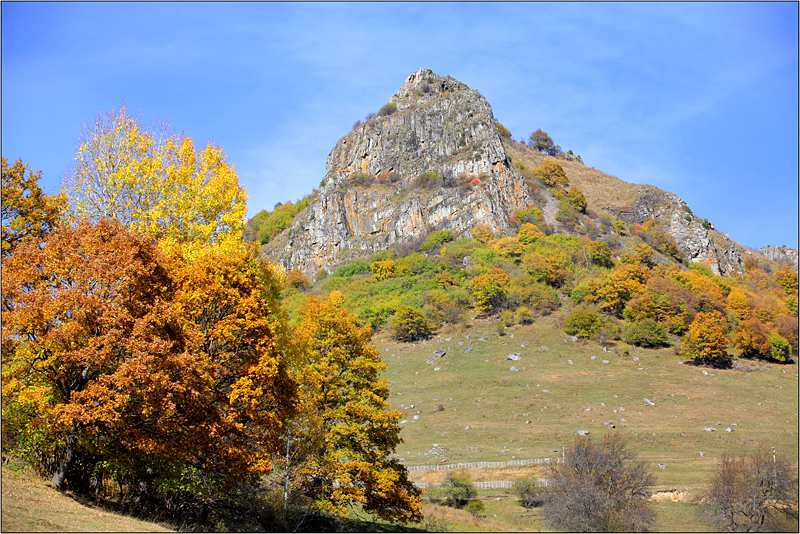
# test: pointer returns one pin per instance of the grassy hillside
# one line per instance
(494, 414)
(29, 505)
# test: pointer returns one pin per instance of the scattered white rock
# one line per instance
(662, 466)
(513, 368)
(702, 454)
(705, 373)
(569, 362)
(514, 357)
(583, 432)
(649, 402)
(709, 429)
(605, 361)
(416, 418)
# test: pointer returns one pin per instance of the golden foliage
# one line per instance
(346, 416)
(155, 182)
(705, 342)
(27, 213)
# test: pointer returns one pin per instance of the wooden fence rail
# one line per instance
(510, 463)
(491, 484)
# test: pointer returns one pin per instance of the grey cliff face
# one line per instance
(700, 244)
(440, 126)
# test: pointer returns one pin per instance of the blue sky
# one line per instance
(699, 99)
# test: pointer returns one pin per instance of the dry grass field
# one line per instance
(29, 505)
(599, 188)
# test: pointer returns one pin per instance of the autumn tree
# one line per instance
(599, 487)
(154, 182)
(665, 301)
(550, 269)
(751, 338)
(755, 493)
(600, 254)
(232, 299)
(787, 280)
(410, 324)
(93, 353)
(351, 430)
(612, 291)
(119, 354)
(27, 213)
(738, 304)
(489, 290)
(383, 269)
(529, 233)
(705, 342)
(576, 199)
(552, 174)
(509, 248)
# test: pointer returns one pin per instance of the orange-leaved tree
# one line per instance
(27, 213)
(231, 297)
(338, 449)
(705, 342)
(94, 354)
(612, 291)
(119, 356)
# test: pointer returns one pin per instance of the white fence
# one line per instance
(510, 463)
(491, 484)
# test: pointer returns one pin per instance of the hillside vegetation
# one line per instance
(155, 362)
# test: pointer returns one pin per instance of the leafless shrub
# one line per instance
(756, 493)
(599, 488)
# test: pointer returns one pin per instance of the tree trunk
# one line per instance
(69, 458)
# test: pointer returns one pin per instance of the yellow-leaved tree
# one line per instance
(155, 182)
(337, 450)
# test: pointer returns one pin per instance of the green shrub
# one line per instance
(409, 324)
(353, 268)
(779, 348)
(507, 317)
(529, 494)
(458, 489)
(387, 110)
(476, 508)
(583, 321)
(437, 239)
(581, 291)
(645, 333)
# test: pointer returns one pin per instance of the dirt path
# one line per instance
(549, 211)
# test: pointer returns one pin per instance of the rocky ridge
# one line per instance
(440, 126)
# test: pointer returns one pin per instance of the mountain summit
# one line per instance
(434, 159)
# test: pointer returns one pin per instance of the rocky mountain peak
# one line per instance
(434, 162)
(423, 86)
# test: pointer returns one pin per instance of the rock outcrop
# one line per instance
(440, 126)
(782, 254)
(697, 238)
